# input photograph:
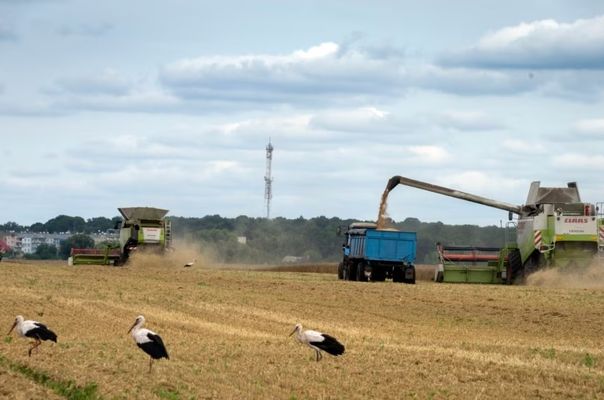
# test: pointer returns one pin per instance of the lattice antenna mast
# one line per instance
(268, 179)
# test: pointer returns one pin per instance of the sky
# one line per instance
(171, 104)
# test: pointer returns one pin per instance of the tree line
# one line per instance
(266, 241)
(64, 223)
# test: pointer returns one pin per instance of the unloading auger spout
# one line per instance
(520, 210)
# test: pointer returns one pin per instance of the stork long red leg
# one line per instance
(34, 345)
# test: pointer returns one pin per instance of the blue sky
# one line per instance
(171, 103)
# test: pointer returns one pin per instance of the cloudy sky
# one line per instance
(171, 104)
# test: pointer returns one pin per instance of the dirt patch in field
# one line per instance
(322, 268)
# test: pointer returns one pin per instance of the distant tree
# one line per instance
(115, 221)
(65, 223)
(78, 241)
(98, 224)
(45, 252)
(37, 227)
(11, 226)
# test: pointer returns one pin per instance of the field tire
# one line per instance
(412, 279)
(378, 275)
(361, 277)
(397, 274)
(341, 270)
(352, 271)
(514, 266)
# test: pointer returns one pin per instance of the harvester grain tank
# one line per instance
(371, 254)
(553, 228)
(142, 229)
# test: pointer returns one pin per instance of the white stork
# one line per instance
(149, 341)
(34, 330)
(190, 263)
(318, 341)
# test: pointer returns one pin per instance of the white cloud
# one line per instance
(543, 44)
(481, 183)
(592, 128)
(314, 75)
(523, 146)
(108, 82)
(428, 154)
(323, 50)
(469, 81)
(363, 119)
(469, 121)
(578, 161)
(140, 100)
(328, 74)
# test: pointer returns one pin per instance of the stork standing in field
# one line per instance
(149, 341)
(318, 341)
(190, 263)
(34, 330)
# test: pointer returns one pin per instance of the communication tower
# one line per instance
(268, 179)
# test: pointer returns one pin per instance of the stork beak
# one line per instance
(294, 331)
(132, 327)
(12, 327)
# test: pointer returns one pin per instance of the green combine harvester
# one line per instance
(141, 229)
(553, 229)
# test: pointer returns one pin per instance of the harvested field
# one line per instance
(226, 331)
(423, 272)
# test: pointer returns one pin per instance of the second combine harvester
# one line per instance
(144, 228)
(553, 229)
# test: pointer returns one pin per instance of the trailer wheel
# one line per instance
(352, 272)
(361, 277)
(341, 270)
(397, 274)
(409, 275)
(378, 274)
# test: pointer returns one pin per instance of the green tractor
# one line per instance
(553, 229)
(142, 229)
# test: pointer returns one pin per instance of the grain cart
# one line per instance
(141, 229)
(371, 254)
(554, 228)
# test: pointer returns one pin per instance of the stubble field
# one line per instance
(226, 332)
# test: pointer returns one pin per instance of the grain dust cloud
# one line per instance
(590, 277)
(182, 253)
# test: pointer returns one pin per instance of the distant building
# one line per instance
(13, 241)
(27, 243)
(242, 239)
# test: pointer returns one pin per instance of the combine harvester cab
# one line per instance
(554, 228)
(141, 229)
(370, 254)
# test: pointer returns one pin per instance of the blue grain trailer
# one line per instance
(375, 255)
